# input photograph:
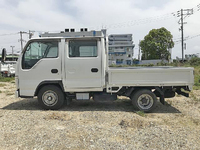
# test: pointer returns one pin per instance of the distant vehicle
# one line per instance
(7, 68)
(10, 58)
(74, 65)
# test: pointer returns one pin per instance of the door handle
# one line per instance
(54, 70)
(94, 70)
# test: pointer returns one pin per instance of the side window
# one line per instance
(82, 48)
(38, 50)
(52, 53)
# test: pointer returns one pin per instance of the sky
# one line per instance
(117, 16)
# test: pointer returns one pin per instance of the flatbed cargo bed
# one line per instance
(150, 76)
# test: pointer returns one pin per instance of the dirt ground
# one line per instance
(90, 125)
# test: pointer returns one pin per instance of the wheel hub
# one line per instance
(145, 101)
(50, 98)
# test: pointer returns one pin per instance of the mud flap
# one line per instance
(162, 97)
(178, 91)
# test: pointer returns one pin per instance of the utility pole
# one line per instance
(12, 51)
(139, 51)
(21, 40)
(183, 13)
(30, 34)
(182, 36)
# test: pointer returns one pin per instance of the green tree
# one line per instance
(156, 44)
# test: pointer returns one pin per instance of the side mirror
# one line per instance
(3, 56)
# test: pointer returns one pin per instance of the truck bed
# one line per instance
(150, 76)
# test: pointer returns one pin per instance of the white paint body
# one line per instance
(150, 76)
(76, 76)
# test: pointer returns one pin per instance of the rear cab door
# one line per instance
(83, 65)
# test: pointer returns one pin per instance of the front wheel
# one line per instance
(144, 100)
(51, 97)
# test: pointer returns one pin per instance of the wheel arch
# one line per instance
(129, 91)
(45, 83)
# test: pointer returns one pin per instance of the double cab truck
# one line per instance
(74, 65)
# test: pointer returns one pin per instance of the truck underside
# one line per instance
(46, 94)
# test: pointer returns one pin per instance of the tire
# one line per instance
(51, 97)
(144, 100)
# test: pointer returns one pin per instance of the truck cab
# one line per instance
(73, 65)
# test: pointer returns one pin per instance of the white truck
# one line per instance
(7, 68)
(75, 66)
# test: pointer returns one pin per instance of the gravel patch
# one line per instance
(89, 125)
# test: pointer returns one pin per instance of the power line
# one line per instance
(6, 43)
(192, 37)
(140, 21)
(8, 34)
(153, 19)
(185, 39)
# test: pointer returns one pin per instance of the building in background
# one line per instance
(190, 56)
(120, 49)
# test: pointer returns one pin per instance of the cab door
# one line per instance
(38, 62)
(83, 65)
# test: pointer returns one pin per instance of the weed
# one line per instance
(6, 79)
(194, 97)
(2, 85)
(197, 77)
(0, 91)
(178, 95)
(9, 93)
(194, 61)
(57, 116)
(196, 87)
(133, 123)
(141, 113)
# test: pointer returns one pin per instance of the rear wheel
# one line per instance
(144, 100)
(51, 97)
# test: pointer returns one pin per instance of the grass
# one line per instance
(2, 85)
(57, 116)
(136, 123)
(9, 93)
(6, 79)
(141, 113)
(194, 97)
(13, 81)
(197, 77)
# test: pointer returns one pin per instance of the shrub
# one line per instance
(194, 61)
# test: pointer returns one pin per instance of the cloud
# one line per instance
(127, 16)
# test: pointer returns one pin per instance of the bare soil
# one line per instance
(90, 125)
